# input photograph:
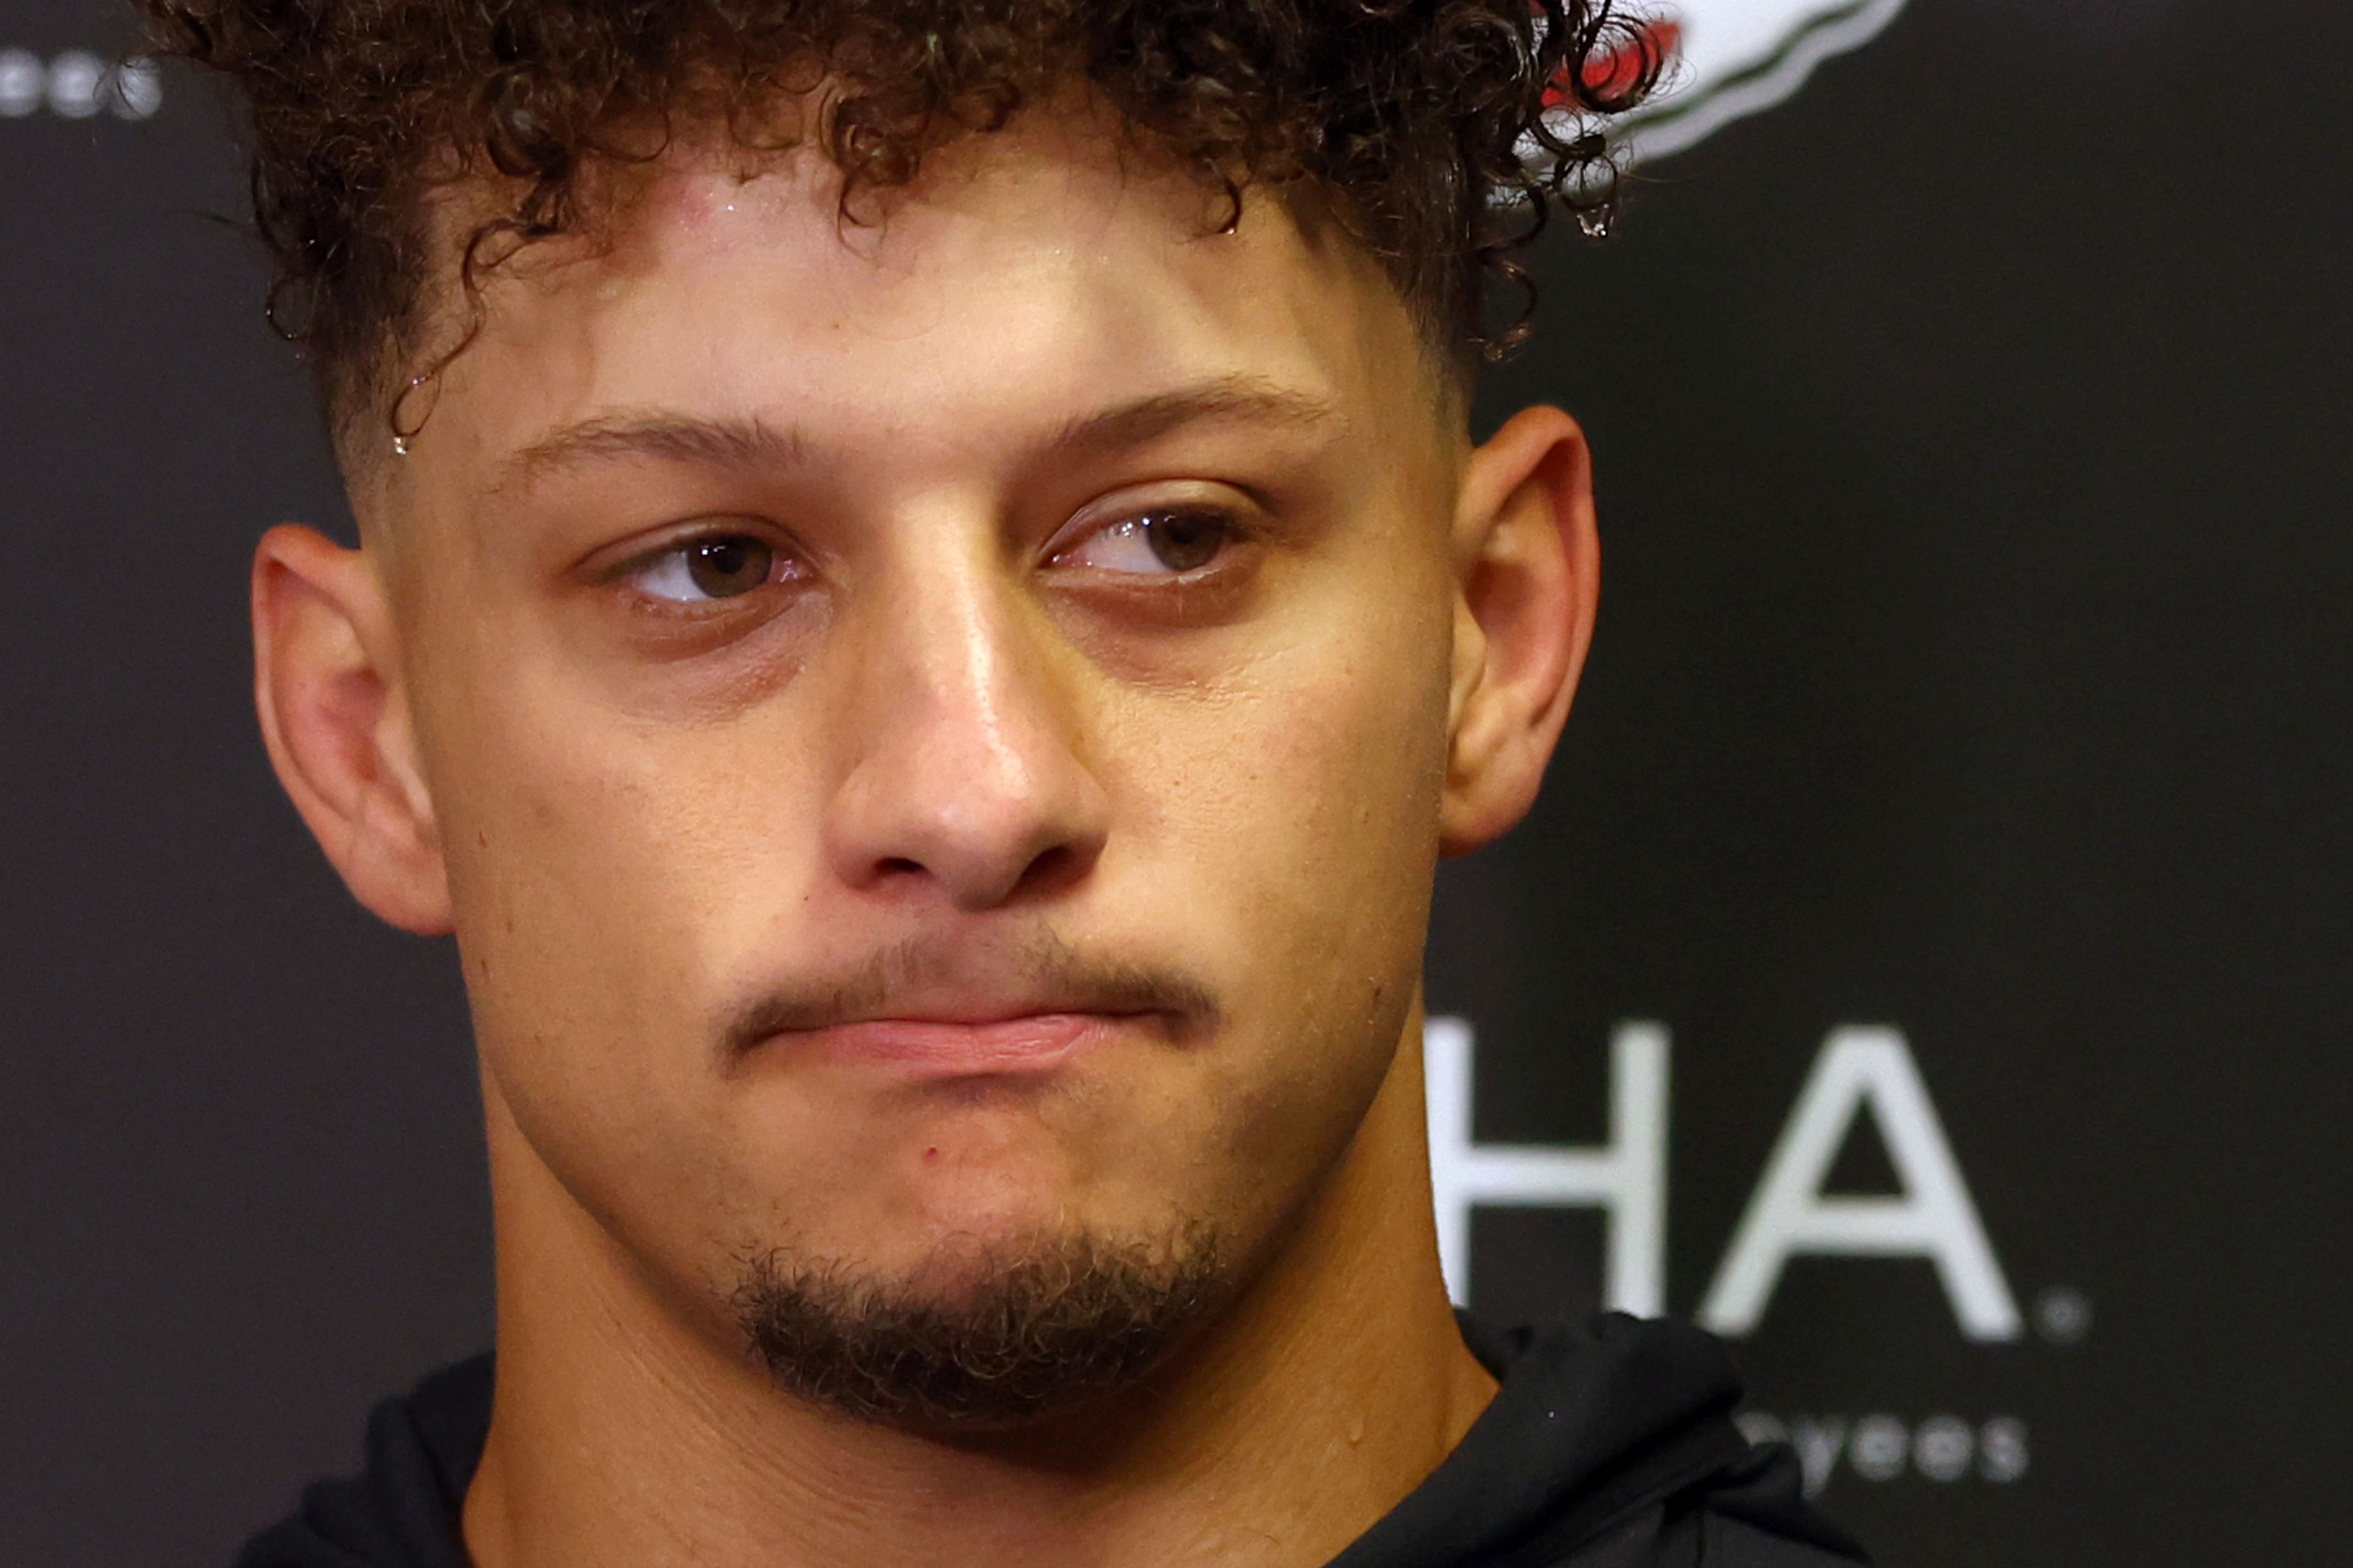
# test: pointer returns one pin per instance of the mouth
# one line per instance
(916, 1018)
(933, 1049)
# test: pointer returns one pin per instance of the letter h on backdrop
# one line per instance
(1933, 1216)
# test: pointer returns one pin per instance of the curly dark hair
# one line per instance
(1429, 127)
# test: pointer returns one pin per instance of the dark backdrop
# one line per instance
(1974, 665)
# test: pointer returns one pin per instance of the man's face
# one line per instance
(936, 729)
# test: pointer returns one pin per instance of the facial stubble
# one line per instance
(1021, 1334)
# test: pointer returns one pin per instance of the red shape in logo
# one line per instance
(1609, 76)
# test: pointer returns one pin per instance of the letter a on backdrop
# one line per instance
(1933, 1217)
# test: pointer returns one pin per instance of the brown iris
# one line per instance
(729, 566)
(1182, 541)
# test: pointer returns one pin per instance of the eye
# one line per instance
(714, 566)
(1156, 544)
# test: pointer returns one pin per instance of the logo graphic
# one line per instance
(1727, 58)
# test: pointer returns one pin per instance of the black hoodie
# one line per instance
(1610, 1445)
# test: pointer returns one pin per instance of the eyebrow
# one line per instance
(748, 443)
(752, 443)
(1241, 398)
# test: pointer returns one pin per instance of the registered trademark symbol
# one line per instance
(2063, 1315)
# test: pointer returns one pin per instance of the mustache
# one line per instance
(1040, 970)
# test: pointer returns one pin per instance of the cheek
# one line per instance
(603, 872)
(1344, 735)
(1309, 861)
(1299, 802)
(609, 887)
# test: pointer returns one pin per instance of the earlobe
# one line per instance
(335, 718)
(1529, 573)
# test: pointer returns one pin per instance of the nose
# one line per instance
(965, 776)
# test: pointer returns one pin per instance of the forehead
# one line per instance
(1035, 274)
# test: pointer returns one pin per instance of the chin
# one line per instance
(988, 1177)
(985, 1332)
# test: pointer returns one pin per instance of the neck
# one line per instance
(624, 1435)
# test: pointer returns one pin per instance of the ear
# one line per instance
(335, 717)
(1528, 564)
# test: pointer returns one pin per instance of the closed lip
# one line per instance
(1023, 1043)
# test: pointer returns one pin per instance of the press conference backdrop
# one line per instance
(1928, 964)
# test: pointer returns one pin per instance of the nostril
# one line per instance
(1053, 870)
(896, 865)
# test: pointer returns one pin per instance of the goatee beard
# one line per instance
(1036, 1331)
